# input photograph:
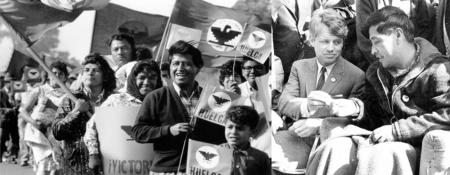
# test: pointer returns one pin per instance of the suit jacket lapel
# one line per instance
(311, 75)
(334, 77)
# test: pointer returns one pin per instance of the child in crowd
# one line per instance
(239, 127)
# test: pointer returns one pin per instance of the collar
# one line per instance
(329, 67)
(178, 89)
(130, 98)
(100, 97)
(417, 67)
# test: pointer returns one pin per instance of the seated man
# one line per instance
(406, 95)
(313, 82)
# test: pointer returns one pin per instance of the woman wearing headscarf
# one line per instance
(97, 83)
(144, 78)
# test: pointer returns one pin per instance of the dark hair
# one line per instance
(142, 66)
(184, 48)
(143, 53)
(60, 66)
(127, 38)
(228, 68)
(109, 78)
(243, 115)
(387, 18)
(165, 67)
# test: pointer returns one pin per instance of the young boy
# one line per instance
(239, 127)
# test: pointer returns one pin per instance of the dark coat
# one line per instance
(411, 103)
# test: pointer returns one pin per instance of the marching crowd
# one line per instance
(58, 134)
(375, 89)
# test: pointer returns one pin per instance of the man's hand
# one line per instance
(81, 105)
(317, 100)
(179, 127)
(95, 163)
(232, 86)
(382, 134)
(343, 107)
(306, 127)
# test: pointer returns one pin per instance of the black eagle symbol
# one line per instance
(224, 35)
(220, 100)
(18, 85)
(33, 73)
(207, 155)
(127, 130)
(257, 38)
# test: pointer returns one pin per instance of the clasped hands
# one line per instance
(324, 104)
(320, 104)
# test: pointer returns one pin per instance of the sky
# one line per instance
(75, 37)
(83, 25)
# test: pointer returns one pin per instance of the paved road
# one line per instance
(15, 169)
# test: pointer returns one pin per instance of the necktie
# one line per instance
(321, 78)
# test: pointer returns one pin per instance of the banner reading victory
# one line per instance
(205, 158)
(114, 133)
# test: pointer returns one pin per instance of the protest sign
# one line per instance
(114, 132)
(256, 43)
(205, 158)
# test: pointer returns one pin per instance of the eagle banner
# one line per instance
(213, 104)
(32, 75)
(187, 34)
(19, 86)
(256, 43)
(147, 29)
(221, 29)
(114, 133)
(205, 158)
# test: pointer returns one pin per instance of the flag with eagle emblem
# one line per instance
(221, 29)
(205, 158)
(256, 43)
(214, 102)
(19, 86)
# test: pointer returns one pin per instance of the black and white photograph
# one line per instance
(224, 87)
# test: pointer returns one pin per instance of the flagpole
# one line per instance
(161, 44)
(36, 57)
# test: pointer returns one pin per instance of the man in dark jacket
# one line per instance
(406, 94)
(165, 118)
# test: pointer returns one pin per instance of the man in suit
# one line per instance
(316, 84)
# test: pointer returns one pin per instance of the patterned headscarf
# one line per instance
(141, 66)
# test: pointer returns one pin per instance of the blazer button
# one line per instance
(405, 98)
(333, 79)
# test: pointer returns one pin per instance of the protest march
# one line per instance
(236, 87)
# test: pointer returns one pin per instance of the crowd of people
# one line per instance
(376, 86)
(59, 133)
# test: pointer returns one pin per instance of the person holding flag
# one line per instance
(165, 116)
(144, 78)
(97, 83)
(39, 112)
(230, 76)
